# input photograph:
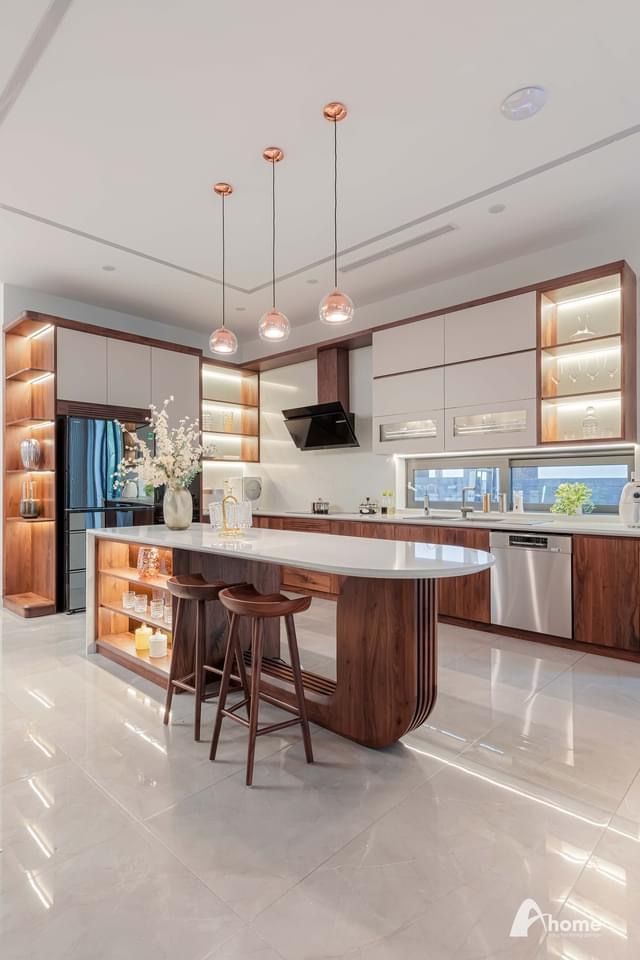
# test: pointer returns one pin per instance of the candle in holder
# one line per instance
(158, 644)
(142, 638)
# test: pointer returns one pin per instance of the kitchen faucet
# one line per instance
(465, 508)
(427, 507)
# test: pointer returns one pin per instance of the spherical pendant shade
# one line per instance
(336, 308)
(273, 326)
(223, 341)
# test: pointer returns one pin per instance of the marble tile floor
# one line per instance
(119, 839)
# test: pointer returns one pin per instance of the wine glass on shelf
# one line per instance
(592, 368)
(583, 330)
(612, 364)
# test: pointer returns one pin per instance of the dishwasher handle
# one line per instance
(509, 540)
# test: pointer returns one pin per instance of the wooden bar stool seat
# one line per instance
(193, 588)
(245, 601)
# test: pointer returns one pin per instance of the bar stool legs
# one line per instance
(294, 655)
(256, 669)
(247, 602)
(172, 669)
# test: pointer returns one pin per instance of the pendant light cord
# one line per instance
(223, 259)
(335, 204)
(273, 232)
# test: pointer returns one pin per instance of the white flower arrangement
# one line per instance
(178, 455)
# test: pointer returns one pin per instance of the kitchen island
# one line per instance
(386, 644)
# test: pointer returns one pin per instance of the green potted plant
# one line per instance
(573, 498)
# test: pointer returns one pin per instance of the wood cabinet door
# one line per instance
(128, 374)
(177, 375)
(606, 591)
(467, 598)
(81, 366)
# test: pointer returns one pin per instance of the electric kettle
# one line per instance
(629, 508)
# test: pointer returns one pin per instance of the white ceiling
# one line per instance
(113, 131)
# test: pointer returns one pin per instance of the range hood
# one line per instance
(322, 426)
(326, 425)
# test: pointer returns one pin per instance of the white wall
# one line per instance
(294, 478)
(16, 299)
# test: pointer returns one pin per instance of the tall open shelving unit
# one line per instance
(29, 412)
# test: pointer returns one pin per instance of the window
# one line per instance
(444, 481)
(604, 475)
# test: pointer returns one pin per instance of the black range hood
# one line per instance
(321, 426)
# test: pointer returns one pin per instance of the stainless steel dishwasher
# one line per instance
(531, 582)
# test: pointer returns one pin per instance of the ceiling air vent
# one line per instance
(398, 248)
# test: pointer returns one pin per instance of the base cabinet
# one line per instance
(465, 598)
(606, 591)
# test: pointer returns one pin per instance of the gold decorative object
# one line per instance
(229, 530)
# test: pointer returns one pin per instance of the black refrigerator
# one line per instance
(89, 451)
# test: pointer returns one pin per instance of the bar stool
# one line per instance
(193, 588)
(245, 601)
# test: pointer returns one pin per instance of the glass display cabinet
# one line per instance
(586, 358)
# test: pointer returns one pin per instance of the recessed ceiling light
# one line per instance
(108, 268)
(312, 281)
(497, 208)
(523, 103)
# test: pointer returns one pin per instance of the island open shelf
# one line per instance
(386, 617)
(116, 572)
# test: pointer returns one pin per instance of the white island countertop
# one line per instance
(346, 556)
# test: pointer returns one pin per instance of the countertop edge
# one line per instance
(171, 541)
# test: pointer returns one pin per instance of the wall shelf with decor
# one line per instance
(29, 508)
(230, 419)
(586, 358)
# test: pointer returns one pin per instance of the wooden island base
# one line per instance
(385, 640)
(385, 650)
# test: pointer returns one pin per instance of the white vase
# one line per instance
(177, 507)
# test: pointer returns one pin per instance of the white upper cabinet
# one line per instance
(128, 374)
(81, 366)
(409, 392)
(410, 346)
(177, 375)
(492, 426)
(502, 326)
(490, 381)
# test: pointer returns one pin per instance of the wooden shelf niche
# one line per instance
(29, 412)
(586, 359)
(230, 418)
(116, 574)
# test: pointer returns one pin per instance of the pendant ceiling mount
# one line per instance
(274, 326)
(223, 341)
(273, 154)
(334, 111)
(336, 308)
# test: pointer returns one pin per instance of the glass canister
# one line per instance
(148, 565)
(29, 506)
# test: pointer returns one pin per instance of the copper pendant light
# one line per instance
(337, 307)
(223, 341)
(274, 326)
